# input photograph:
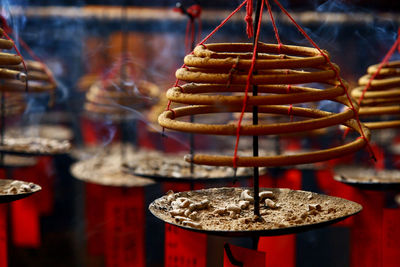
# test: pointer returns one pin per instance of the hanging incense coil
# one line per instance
(382, 96)
(287, 77)
(120, 100)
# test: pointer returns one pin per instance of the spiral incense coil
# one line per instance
(116, 100)
(382, 96)
(287, 77)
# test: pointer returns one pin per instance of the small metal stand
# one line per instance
(2, 129)
(123, 75)
(256, 182)
(191, 135)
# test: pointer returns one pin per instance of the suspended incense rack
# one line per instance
(378, 95)
(208, 71)
(285, 80)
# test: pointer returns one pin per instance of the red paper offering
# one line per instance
(391, 237)
(124, 230)
(3, 236)
(25, 223)
(184, 248)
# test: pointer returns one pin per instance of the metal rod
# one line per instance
(255, 240)
(191, 136)
(2, 129)
(230, 256)
(256, 174)
(123, 75)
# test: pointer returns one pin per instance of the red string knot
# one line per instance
(180, 87)
(249, 18)
(279, 48)
(4, 25)
(290, 109)
(352, 109)
(288, 88)
(173, 114)
(194, 11)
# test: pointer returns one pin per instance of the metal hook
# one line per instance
(183, 9)
(230, 256)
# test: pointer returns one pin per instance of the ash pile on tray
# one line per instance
(35, 145)
(232, 209)
(17, 187)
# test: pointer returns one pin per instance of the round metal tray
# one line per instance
(160, 178)
(33, 153)
(374, 183)
(267, 232)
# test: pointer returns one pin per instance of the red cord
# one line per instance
(194, 11)
(208, 37)
(289, 87)
(231, 71)
(4, 24)
(274, 25)
(248, 81)
(223, 22)
(334, 69)
(205, 39)
(249, 18)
